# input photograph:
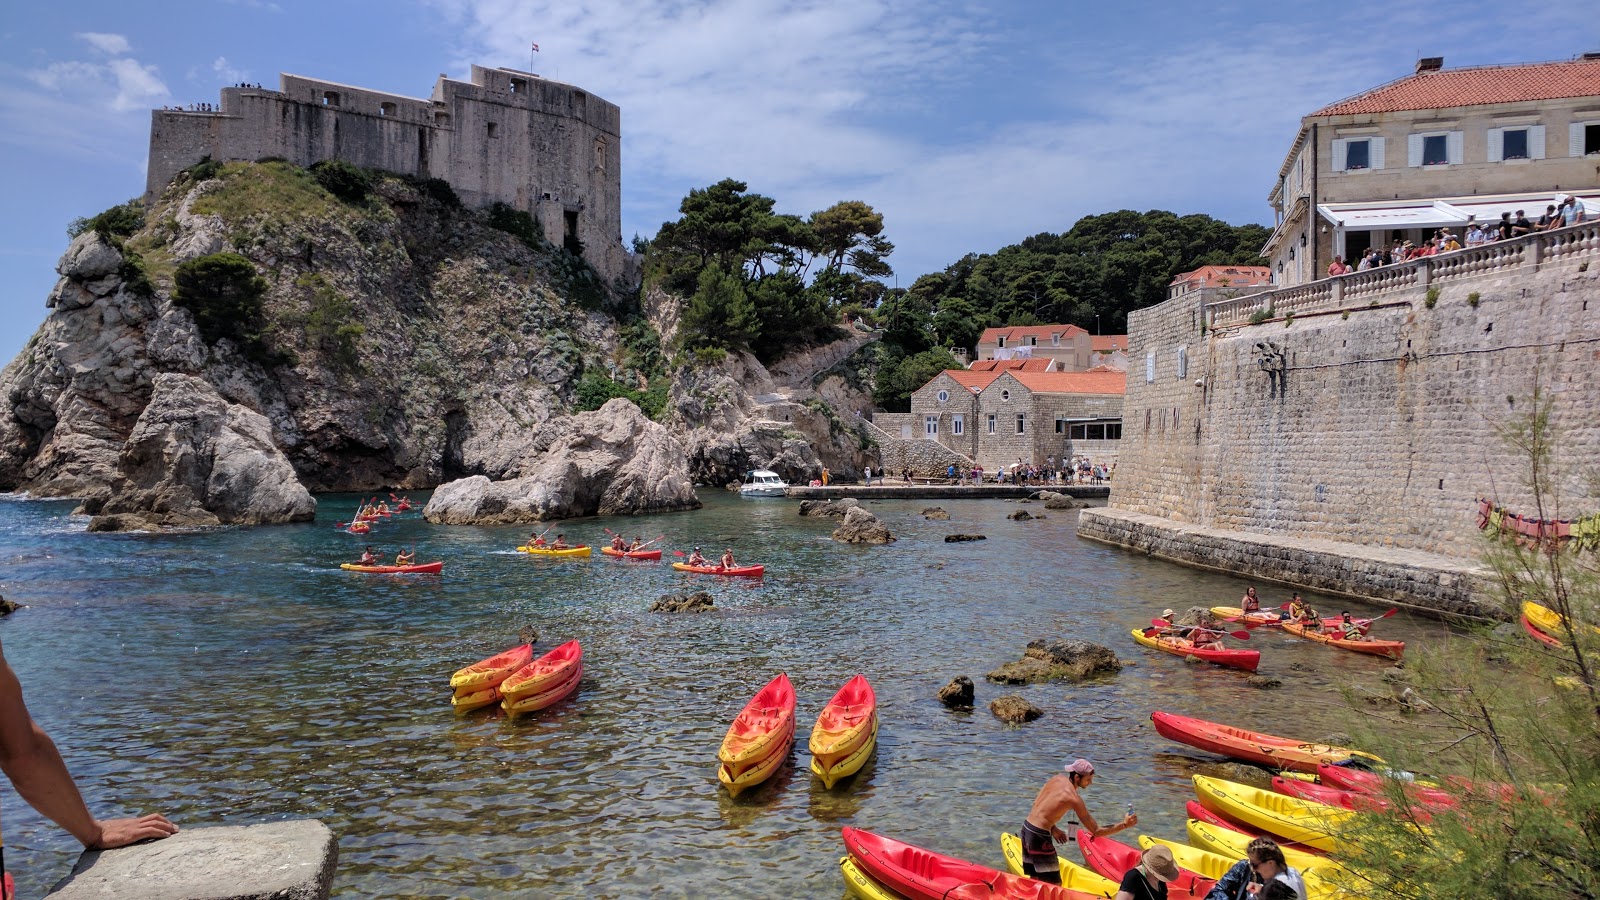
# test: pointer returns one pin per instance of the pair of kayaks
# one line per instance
(759, 740)
(581, 550)
(517, 681)
(1271, 618)
(1390, 649)
(1545, 624)
(1254, 746)
(631, 554)
(432, 568)
(1302, 821)
(882, 868)
(745, 571)
(1247, 660)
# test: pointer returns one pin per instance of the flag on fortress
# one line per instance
(536, 48)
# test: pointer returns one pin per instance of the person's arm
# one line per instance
(1227, 887)
(1096, 829)
(30, 759)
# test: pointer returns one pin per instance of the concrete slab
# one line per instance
(291, 860)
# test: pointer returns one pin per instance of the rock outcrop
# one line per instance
(1058, 660)
(935, 514)
(1054, 500)
(1014, 709)
(613, 461)
(830, 508)
(194, 459)
(963, 538)
(862, 527)
(958, 694)
(7, 607)
(699, 601)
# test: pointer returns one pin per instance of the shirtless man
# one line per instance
(617, 543)
(561, 542)
(538, 540)
(1059, 796)
(695, 559)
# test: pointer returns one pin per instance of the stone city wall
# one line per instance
(926, 458)
(1374, 424)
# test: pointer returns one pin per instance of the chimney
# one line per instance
(1430, 64)
(1593, 54)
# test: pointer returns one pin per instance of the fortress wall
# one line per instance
(1384, 431)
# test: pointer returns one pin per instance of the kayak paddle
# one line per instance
(1163, 623)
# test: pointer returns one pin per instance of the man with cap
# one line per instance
(695, 559)
(1148, 880)
(1060, 795)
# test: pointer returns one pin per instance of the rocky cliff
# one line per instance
(396, 340)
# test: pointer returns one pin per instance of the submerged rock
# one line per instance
(1263, 681)
(700, 601)
(862, 527)
(963, 538)
(1022, 515)
(1058, 660)
(831, 508)
(7, 607)
(1014, 709)
(958, 694)
(935, 514)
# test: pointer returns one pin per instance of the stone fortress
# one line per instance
(546, 148)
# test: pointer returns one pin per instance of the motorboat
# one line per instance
(762, 483)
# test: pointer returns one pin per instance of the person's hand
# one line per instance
(122, 832)
(1130, 820)
(1058, 834)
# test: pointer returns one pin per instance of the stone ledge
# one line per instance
(1423, 581)
(291, 860)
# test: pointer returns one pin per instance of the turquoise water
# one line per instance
(239, 676)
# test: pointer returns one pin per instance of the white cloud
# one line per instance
(80, 108)
(109, 44)
(227, 72)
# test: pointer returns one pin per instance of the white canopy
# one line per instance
(1395, 215)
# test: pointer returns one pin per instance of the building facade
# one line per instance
(999, 417)
(549, 149)
(1468, 142)
(1071, 347)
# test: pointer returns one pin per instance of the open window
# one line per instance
(330, 98)
(387, 109)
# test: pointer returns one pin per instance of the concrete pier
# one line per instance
(944, 491)
(291, 860)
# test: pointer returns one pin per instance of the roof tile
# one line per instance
(1073, 382)
(1475, 86)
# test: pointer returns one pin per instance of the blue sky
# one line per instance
(970, 125)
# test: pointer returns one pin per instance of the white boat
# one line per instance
(762, 483)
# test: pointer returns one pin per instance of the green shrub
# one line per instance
(439, 190)
(134, 277)
(710, 356)
(1473, 298)
(1261, 315)
(518, 224)
(1345, 314)
(595, 389)
(224, 294)
(204, 170)
(114, 224)
(331, 325)
(351, 184)
(1431, 298)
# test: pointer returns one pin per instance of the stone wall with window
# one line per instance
(944, 410)
(1037, 426)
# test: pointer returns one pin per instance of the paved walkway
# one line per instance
(895, 489)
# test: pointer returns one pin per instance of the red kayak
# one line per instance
(1363, 782)
(1201, 814)
(1252, 746)
(1234, 659)
(1534, 632)
(631, 554)
(748, 571)
(432, 568)
(1113, 859)
(919, 874)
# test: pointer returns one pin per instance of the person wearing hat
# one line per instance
(727, 558)
(695, 559)
(1263, 864)
(1148, 880)
(1060, 795)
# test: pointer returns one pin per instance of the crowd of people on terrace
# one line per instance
(1070, 471)
(1556, 215)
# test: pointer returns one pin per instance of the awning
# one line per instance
(1453, 211)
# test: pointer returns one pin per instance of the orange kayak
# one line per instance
(543, 673)
(492, 671)
(766, 721)
(1251, 746)
(549, 695)
(631, 554)
(845, 723)
(1391, 649)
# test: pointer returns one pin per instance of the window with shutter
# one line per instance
(1536, 142)
(1375, 148)
(1339, 155)
(1513, 143)
(1435, 150)
(1496, 138)
(1358, 155)
(1455, 141)
(1583, 138)
(1413, 150)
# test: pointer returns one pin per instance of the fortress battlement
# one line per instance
(547, 148)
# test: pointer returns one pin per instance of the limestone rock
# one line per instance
(88, 258)
(1058, 660)
(287, 860)
(963, 538)
(7, 607)
(832, 508)
(194, 459)
(700, 601)
(1014, 709)
(1056, 500)
(1021, 515)
(958, 694)
(935, 514)
(528, 635)
(1263, 681)
(862, 527)
(612, 461)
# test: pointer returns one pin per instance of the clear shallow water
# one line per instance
(239, 676)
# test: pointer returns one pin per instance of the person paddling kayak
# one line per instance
(637, 545)
(1060, 795)
(695, 559)
(368, 558)
(618, 544)
(537, 541)
(405, 557)
(1349, 629)
(727, 558)
(1250, 602)
(561, 542)
(1300, 610)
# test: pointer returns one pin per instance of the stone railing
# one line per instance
(1374, 285)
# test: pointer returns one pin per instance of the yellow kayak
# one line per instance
(1313, 824)
(849, 765)
(1214, 866)
(1547, 620)
(1073, 876)
(859, 885)
(467, 701)
(1230, 843)
(546, 551)
(761, 771)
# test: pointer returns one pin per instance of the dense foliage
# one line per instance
(225, 295)
(1520, 720)
(349, 183)
(116, 223)
(764, 281)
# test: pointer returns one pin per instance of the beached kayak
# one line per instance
(1112, 859)
(1073, 876)
(759, 737)
(1236, 659)
(859, 885)
(748, 571)
(631, 554)
(845, 722)
(547, 551)
(1390, 649)
(1252, 746)
(1364, 782)
(1314, 824)
(1534, 632)
(1548, 621)
(919, 874)
(551, 694)
(544, 673)
(1232, 844)
(490, 672)
(1215, 865)
(432, 568)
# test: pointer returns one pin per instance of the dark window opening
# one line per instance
(519, 86)
(330, 98)
(1591, 139)
(1435, 150)
(1358, 155)
(1022, 423)
(1515, 144)
(494, 129)
(569, 238)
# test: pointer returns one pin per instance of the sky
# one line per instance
(970, 125)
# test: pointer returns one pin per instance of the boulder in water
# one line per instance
(700, 601)
(862, 527)
(935, 514)
(1058, 660)
(958, 694)
(835, 509)
(963, 538)
(1014, 709)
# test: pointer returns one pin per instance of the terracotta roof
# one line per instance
(1105, 343)
(1476, 86)
(1224, 276)
(1018, 332)
(1040, 364)
(968, 378)
(1073, 382)
(1107, 367)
